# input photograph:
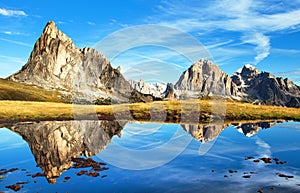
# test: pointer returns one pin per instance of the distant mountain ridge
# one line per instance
(155, 89)
(56, 63)
(205, 79)
(265, 88)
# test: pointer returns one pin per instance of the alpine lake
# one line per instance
(120, 156)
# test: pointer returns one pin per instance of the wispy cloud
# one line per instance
(91, 23)
(290, 73)
(262, 44)
(250, 20)
(15, 42)
(139, 46)
(13, 59)
(9, 12)
(285, 51)
(218, 44)
(11, 33)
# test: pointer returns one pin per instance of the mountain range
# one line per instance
(55, 63)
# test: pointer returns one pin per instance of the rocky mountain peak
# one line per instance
(204, 78)
(51, 32)
(50, 28)
(170, 91)
(266, 88)
(56, 63)
(249, 72)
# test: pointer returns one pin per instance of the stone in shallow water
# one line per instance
(232, 171)
(20, 183)
(281, 162)
(14, 187)
(38, 175)
(93, 174)
(267, 160)
(67, 178)
(81, 172)
(4, 171)
(249, 157)
(283, 175)
(247, 176)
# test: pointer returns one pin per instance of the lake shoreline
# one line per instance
(190, 111)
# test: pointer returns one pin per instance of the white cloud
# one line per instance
(218, 44)
(249, 20)
(291, 52)
(146, 46)
(262, 43)
(91, 23)
(11, 33)
(9, 12)
(295, 72)
(16, 42)
(13, 59)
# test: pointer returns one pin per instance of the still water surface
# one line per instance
(151, 157)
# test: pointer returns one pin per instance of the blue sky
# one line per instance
(265, 34)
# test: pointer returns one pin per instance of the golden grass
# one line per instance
(10, 90)
(191, 111)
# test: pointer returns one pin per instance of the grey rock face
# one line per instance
(56, 63)
(265, 88)
(204, 78)
(55, 143)
(170, 91)
(244, 77)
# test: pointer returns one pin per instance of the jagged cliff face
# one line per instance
(265, 88)
(170, 92)
(56, 63)
(55, 143)
(206, 79)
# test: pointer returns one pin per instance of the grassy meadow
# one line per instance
(191, 111)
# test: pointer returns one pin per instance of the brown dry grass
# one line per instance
(10, 90)
(193, 111)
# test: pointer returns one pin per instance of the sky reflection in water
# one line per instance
(171, 151)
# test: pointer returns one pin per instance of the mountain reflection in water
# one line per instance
(55, 143)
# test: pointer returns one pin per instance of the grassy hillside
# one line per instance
(193, 111)
(10, 90)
